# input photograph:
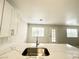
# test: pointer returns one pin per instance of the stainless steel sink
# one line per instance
(35, 52)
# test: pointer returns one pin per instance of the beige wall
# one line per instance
(60, 34)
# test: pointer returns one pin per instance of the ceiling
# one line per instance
(62, 12)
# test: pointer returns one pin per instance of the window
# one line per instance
(53, 35)
(72, 33)
(37, 31)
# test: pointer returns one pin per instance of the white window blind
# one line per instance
(37, 31)
(72, 33)
(53, 35)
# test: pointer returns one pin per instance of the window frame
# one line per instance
(71, 36)
(37, 34)
(53, 37)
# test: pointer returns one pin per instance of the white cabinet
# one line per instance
(5, 29)
(9, 19)
(1, 7)
(14, 21)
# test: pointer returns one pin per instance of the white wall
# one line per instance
(22, 32)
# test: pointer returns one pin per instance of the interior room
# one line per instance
(39, 29)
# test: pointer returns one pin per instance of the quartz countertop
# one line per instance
(57, 51)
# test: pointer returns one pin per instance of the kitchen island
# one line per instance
(57, 51)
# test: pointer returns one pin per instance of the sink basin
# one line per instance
(36, 52)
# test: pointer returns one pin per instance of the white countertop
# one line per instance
(57, 51)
